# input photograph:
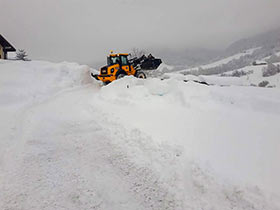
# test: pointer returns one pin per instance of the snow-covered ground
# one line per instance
(67, 142)
(255, 76)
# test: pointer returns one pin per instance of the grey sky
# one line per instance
(85, 30)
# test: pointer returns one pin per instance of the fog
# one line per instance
(85, 31)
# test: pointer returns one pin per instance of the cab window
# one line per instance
(113, 60)
(124, 60)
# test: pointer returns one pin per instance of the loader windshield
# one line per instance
(111, 60)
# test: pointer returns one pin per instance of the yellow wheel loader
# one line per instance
(118, 66)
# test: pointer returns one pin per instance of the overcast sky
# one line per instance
(86, 30)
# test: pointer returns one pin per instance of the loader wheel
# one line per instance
(121, 75)
(141, 75)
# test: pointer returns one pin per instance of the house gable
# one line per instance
(5, 47)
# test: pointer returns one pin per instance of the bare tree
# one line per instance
(136, 52)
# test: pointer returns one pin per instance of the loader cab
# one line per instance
(120, 59)
(121, 62)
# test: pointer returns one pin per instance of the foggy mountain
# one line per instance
(187, 57)
(268, 41)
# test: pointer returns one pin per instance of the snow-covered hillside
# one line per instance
(227, 72)
(226, 60)
(67, 142)
(254, 76)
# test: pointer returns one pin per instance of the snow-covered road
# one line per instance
(67, 143)
(62, 158)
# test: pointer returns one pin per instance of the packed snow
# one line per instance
(68, 142)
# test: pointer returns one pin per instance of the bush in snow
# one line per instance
(270, 70)
(239, 73)
(21, 55)
(271, 86)
(263, 84)
(236, 73)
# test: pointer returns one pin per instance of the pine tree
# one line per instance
(21, 55)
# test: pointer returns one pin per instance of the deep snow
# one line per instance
(67, 142)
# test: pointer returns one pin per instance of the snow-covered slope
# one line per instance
(67, 142)
(255, 76)
(223, 72)
(228, 59)
(225, 60)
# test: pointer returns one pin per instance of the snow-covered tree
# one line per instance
(21, 55)
(263, 84)
(237, 73)
(270, 70)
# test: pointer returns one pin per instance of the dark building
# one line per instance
(5, 47)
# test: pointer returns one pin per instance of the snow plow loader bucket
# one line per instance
(146, 62)
(95, 76)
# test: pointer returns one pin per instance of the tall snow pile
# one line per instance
(22, 82)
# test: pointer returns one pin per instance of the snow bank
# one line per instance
(24, 82)
(230, 131)
(211, 79)
(223, 81)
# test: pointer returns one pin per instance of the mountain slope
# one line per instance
(270, 39)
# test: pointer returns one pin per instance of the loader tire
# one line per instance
(121, 75)
(141, 75)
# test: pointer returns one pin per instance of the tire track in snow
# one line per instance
(131, 149)
(68, 162)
